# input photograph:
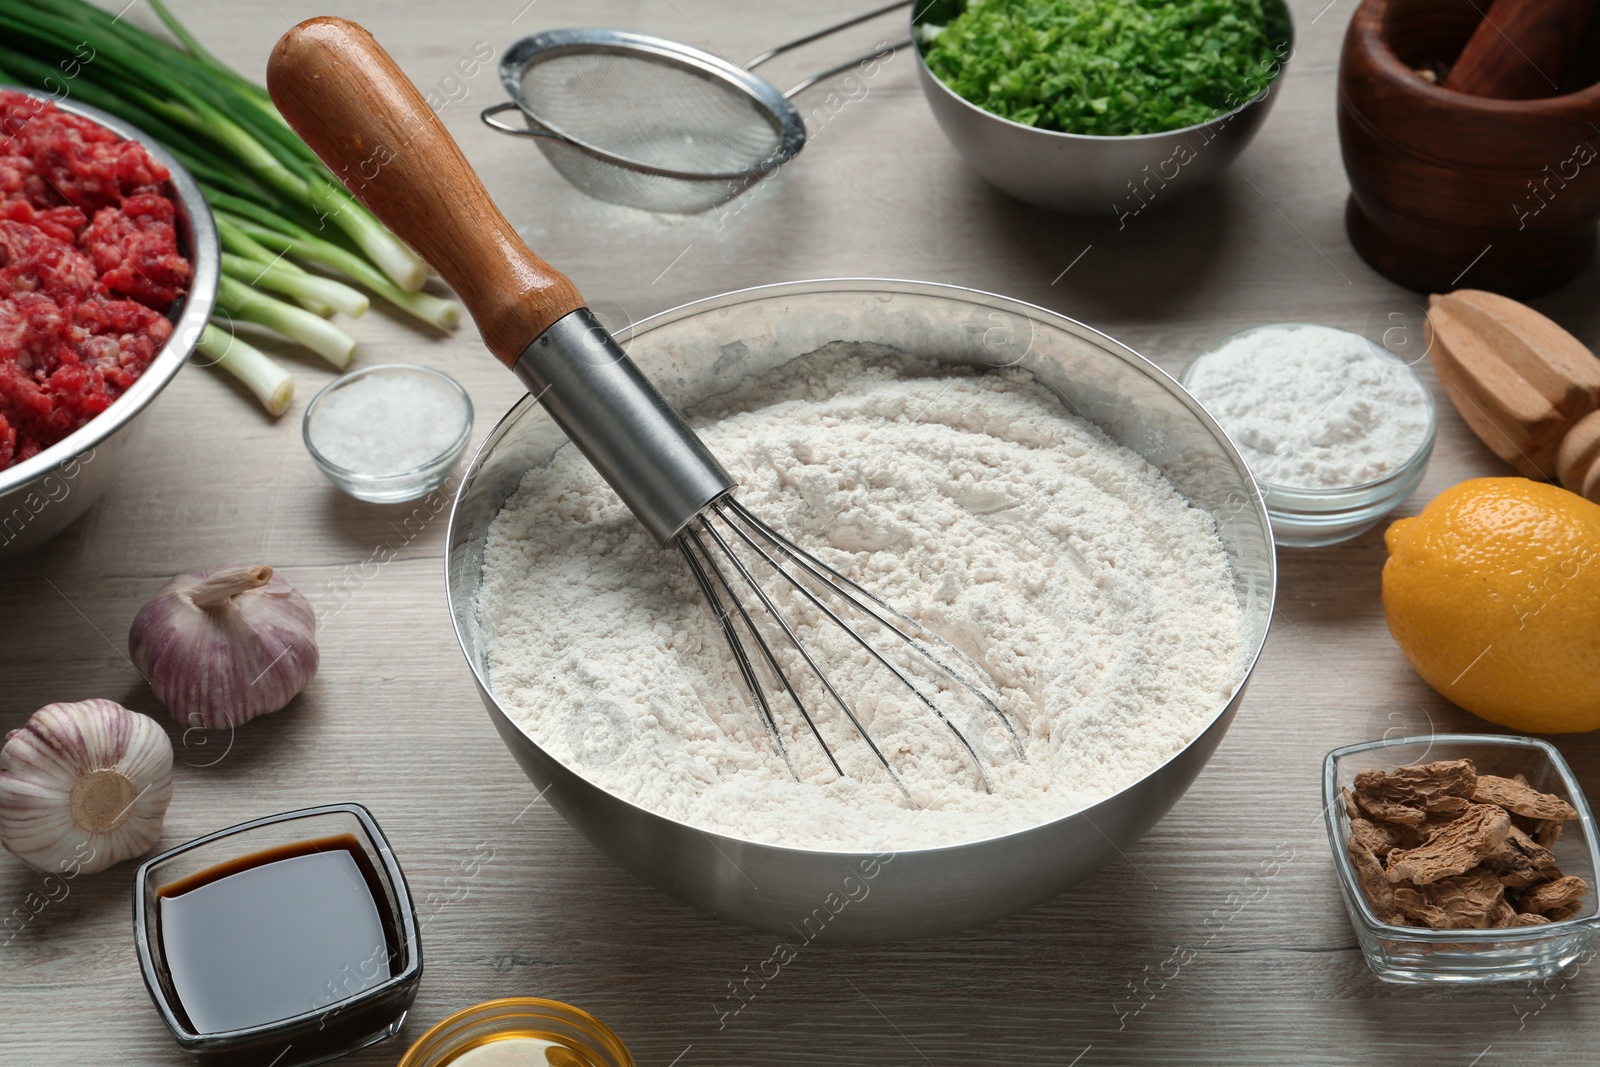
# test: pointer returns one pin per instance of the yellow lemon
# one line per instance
(1493, 594)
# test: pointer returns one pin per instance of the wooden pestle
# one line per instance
(1522, 49)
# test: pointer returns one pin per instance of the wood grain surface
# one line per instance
(1168, 957)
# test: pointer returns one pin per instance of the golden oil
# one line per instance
(523, 1048)
(519, 1032)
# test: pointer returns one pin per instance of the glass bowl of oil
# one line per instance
(519, 1032)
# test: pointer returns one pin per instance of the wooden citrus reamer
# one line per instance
(1528, 388)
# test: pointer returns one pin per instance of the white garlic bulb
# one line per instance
(83, 786)
(224, 645)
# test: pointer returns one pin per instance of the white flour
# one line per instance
(1311, 407)
(1099, 601)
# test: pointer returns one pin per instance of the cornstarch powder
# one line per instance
(1097, 601)
(1311, 407)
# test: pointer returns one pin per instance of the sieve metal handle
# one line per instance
(346, 97)
(877, 53)
(817, 35)
(487, 116)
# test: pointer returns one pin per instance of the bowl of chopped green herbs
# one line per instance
(1101, 107)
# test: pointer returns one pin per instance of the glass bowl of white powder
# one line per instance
(389, 433)
(1336, 430)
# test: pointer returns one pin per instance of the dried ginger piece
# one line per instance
(1440, 845)
(1454, 849)
(1413, 836)
(1468, 901)
(1351, 809)
(1369, 875)
(1502, 915)
(1391, 811)
(1552, 897)
(1545, 832)
(1374, 837)
(1521, 861)
(1379, 836)
(1407, 794)
(1519, 798)
(1420, 782)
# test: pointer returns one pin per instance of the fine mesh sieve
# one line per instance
(652, 123)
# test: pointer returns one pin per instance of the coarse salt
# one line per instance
(386, 423)
(1099, 601)
(1311, 407)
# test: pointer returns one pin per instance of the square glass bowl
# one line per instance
(394, 486)
(1412, 954)
(352, 1008)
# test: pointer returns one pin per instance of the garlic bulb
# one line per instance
(225, 645)
(83, 786)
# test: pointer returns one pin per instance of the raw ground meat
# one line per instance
(89, 266)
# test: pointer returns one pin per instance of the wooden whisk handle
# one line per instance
(347, 99)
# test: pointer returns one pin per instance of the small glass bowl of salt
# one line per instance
(1336, 429)
(389, 433)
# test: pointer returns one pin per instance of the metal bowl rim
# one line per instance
(191, 319)
(1121, 138)
(893, 287)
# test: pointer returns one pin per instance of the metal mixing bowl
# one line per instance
(40, 497)
(704, 348)
(1115, 177)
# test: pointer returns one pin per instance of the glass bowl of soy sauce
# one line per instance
(283, 942)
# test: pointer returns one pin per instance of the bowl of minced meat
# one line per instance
(1061, 514)
(107, 267)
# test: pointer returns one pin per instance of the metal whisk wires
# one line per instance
(731, 552)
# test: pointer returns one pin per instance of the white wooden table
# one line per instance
(1166, 958)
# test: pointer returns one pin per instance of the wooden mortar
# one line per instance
(1449, 189)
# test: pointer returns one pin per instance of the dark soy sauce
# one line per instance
(276, 934)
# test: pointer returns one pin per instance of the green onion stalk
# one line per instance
(445, 314)
(269, 382)
(310, 329)
(282, 276)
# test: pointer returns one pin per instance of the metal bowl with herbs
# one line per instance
(1101, 106)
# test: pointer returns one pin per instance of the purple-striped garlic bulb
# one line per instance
(83, 786)
(224, 645)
